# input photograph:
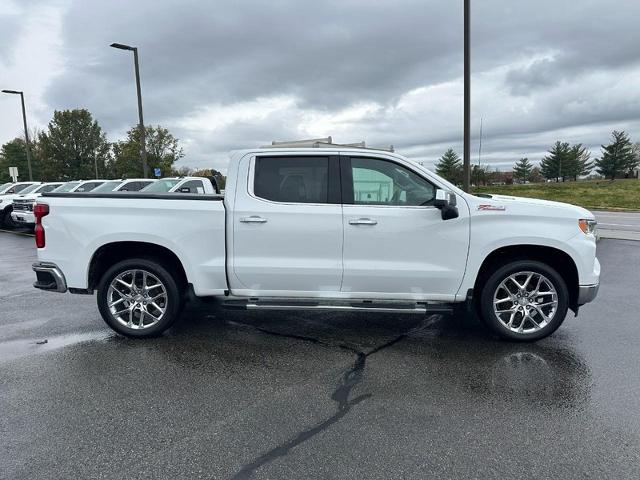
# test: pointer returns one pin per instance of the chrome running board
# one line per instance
(336, 305)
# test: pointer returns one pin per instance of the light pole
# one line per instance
(143, 146)
(26, 131)
(466, 157)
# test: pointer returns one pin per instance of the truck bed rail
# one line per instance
(138, 195)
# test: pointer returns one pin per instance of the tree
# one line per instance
(480, 174)
(163, 150)
(536, 176)
(522, 170)
(14, 154)
(617, 157)
(636, 153)
(73, 147)
(450, 166)
(555, 165)
(211, 172)
(578, 162)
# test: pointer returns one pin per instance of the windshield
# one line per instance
(107, 186)
(161, 186)
(46, 188)
(5, 186)
(66, 187)
(29, 189)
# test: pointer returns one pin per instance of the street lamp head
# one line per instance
(11, 91)
(122, 46)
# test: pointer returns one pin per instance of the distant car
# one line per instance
(129, 185)
(22, 213)
(79, 186)
(88, 185)
(197, 185)
(11, 188)
(6, 200)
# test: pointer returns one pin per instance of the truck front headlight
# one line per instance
(588, 226)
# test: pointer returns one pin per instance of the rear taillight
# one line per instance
(40, 210)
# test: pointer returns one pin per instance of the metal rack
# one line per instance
(323, 143)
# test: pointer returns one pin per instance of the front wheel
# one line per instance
(5, 219)
(524, 300)
(139, 298)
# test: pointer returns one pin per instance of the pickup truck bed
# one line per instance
(189, 226)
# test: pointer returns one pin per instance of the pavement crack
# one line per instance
(351, 377)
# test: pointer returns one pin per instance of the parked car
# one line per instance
(334, 229)
(88, 185)
(6, 201)
(199, 185)
(22, 213)
(11, 188)
(128, 185)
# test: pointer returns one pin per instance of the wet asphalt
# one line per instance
(316, 395)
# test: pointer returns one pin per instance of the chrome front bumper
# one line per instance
(49, 277)
(587, 293)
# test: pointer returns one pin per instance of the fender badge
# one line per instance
(495, 208)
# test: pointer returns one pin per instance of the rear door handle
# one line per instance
(253, 219)
(363, 221)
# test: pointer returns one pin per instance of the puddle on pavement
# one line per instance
(13, 349)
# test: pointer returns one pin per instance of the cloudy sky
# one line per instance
(223, 75)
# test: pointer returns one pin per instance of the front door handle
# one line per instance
(363, 221)
(253, 219)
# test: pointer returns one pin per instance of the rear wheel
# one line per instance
(524, 300)
(139, 298)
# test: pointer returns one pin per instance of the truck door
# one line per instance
(287, 226)
(395, 241)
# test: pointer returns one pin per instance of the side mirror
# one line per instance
(446, 202)
(441, 200)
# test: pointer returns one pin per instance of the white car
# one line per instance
(128, 185)
(197, 185)
(7, 198)
(22, 212)
(11, 188)
(339, 229)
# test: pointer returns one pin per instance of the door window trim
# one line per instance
(334, 187)
(347, 182)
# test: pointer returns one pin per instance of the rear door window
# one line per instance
(292, 179)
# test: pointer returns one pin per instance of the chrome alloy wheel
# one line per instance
(525, 302)
(137, 299)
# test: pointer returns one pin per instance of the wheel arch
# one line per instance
(553, 257)
(113, 252)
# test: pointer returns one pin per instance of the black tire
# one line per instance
(5, 219)
(172, 305)
(492, 319)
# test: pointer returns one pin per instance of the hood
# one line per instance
(535, 205)
(29, 196)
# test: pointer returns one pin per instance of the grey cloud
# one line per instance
(332, 54)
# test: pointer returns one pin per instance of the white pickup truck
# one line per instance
(321, 229)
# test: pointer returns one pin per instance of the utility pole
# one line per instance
(26, 130)
(466, 157)
(479, 154)
(143, 145)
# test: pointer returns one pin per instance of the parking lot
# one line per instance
(317, 395)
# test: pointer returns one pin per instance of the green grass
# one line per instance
(593, 194)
